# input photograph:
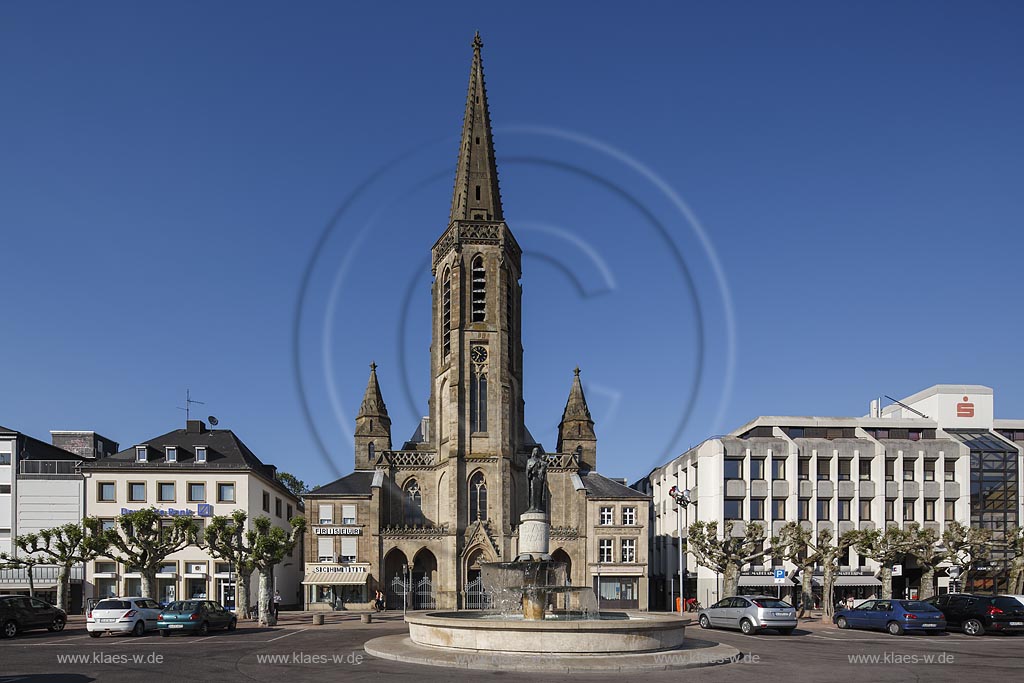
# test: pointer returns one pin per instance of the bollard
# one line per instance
(366, 618)
(318, 620)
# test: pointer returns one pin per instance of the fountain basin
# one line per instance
(616, 632)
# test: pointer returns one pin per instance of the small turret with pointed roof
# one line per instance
(373, 425)
(476, 195)
(576, 430)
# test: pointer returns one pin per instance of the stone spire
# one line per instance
(476, 194)
(576, 430)
(373, 425)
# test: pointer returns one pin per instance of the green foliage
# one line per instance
(293, 484)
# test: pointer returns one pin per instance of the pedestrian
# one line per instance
(849, 602)
(277, 603)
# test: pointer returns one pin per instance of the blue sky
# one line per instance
(170, 173)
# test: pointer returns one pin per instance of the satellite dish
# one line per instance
(213, 421)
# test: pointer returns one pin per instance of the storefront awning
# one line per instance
(761, 581)
(857, 581)
(335, 578)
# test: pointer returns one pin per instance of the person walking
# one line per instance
(277, 604)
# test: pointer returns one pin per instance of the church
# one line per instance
(415, 520)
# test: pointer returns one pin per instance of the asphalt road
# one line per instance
(304, 652)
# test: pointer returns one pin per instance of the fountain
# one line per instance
(525, 617)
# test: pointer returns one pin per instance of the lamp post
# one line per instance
(682, 500)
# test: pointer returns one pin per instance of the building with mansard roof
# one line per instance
(431, 510)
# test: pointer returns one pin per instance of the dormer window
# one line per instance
(200, 453)
(140, 454)
(172, 454)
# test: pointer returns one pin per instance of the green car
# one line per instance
(195, 616)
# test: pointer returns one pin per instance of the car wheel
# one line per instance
(164, 634)
(842, 623)
(203, 629)
(747, 627)
(973, 627)
(704, 621)
(95, 634)
(9, 630)
(232, 625)
(139, 628)
(894, 628)
(57, 625)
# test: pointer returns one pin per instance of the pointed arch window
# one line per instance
(478, 498)
(508, 319)
(371, 450)
(478, 296)
(412, 512)
(478, 400)
(446, 314)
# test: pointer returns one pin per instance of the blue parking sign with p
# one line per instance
(780, 575)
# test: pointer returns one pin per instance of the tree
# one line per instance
(268, 545)
(66, 546)
(885, 547)
(143, 542)
(26, 562)
(293, 484)
(793, 544)
(225, 539)
(923, 544)
(726, 555)
(966, 547)
(1014, 545)
(829, 554)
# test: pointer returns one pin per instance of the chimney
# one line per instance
(876, 408)
(195, 427)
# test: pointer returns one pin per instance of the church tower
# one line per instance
(373, 425)
(476, 403)
(576, 430)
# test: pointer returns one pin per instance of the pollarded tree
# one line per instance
(269, 544)
(26, 562)
(923, 544)
(726, 555)
(829, 554)
(225, 539)
(66, 546)
(966, 547)
(885, 547)
(793, 544)
(142, 542)
(1014, 545)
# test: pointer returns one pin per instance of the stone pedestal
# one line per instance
(533, 536)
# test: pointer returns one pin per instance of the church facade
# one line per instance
(427, 512)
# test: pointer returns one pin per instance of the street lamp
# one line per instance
(682, 499)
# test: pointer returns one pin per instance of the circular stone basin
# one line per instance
(615, 632)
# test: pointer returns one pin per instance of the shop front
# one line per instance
(762, 582)
(336, 586)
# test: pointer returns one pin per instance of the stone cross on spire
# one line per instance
(476, 195)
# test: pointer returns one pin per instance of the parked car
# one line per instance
(894, 616)
(20, 613)
(132, 615)
(750, 613)
(196, 616)
(1018, 598)
(976, 614)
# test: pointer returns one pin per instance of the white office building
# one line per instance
(936, 456)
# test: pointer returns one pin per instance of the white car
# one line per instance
(122, 615)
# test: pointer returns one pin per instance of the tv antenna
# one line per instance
(188, 404)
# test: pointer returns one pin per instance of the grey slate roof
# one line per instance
(357, 483)
(34, 449)
(599, 486)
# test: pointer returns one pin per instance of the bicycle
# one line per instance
(693, 606)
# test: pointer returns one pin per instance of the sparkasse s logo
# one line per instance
(965, 409)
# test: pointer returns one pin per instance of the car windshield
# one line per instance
(185, 606)
(113, 604)
(772, 603)
(916, 606)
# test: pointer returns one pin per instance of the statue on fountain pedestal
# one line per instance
(536, 475)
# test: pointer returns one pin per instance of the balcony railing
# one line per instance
(49, 467)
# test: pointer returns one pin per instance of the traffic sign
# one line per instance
(780, 576)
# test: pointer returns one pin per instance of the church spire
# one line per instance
(576, 430)
(373, 426)
(373, 401)
(476, 194)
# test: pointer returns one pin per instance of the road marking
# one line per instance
(287, 634)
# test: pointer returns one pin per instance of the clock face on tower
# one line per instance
(478, 354)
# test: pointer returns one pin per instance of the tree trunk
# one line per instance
(31, 581)
(927, 582)
(267, 616)
(806, 592)
(64, 587)
(242, 582)
(828, 590)
(886, 582)
(730, 580)
(148, 583)
(1017, 576)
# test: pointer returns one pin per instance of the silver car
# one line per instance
(750, 614)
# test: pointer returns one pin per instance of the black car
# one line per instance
(21, 613)
(976, 614)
